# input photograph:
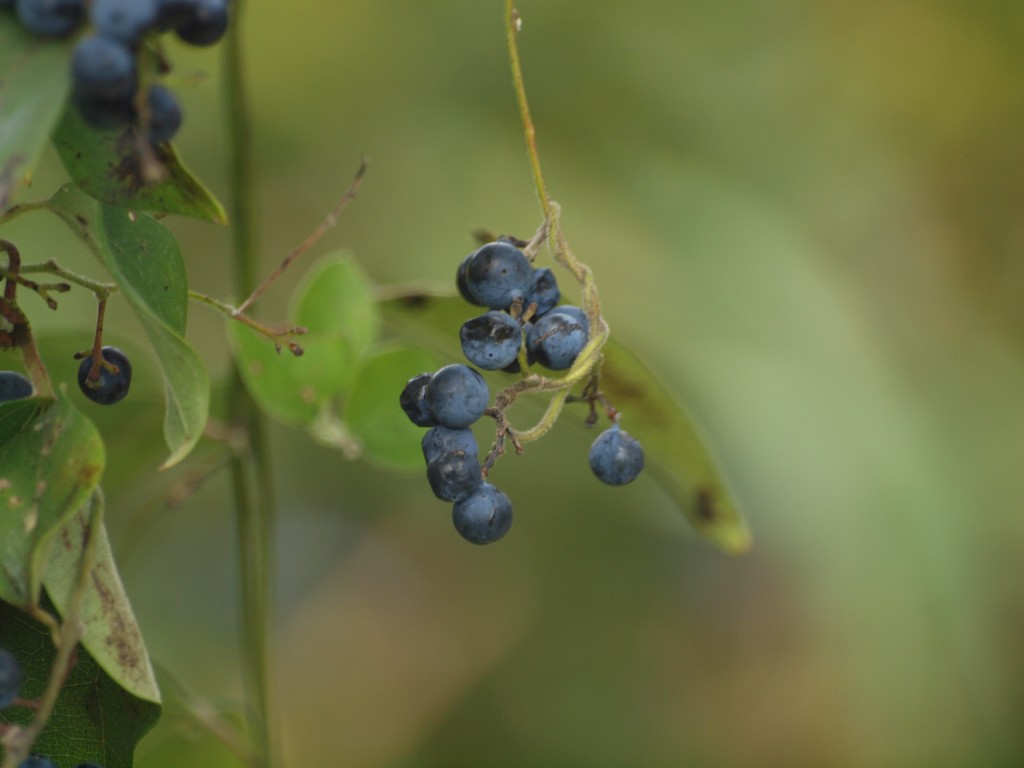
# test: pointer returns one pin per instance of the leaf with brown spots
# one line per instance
(51, 460)
(677, 453)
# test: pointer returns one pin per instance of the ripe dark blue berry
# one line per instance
(456, 396)
(103, 69)
(111, 387)
(50, 18)
(484, 516)
(14, 386)
(460, 282)
(491, 341)
(164, 114)
(10, 678)
(412, 401)
(454, 475)
(441, 440)
(616, 457)
(497, 274)
(124, 20)
(205, 24)
(543, 292)
(556, 340)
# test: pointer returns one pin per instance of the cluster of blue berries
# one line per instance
(104, 65)
(111, 386)
(11, 679)
(524, 324)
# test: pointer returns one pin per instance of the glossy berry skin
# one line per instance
(412, 401)
(37, 761)
(616, 457)
(102, 68)
(50, 18)
(14, 386)
(491, 341)
(441, 440)
(543, 292)
(124, 20)
(205, 24)
(454, 475)
(556, 340)
(484, 516)
(497, 274)
(112, 386)
(164, 114)
(11, 678)
(456, 396)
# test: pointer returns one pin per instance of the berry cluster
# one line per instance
(524, 325)
(104, 65)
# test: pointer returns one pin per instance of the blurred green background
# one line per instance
(807, 217)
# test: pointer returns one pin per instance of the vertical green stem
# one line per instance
(250, 472)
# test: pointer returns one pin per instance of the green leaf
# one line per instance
(143, 259)
(678, 454)
(372, 412)
(34, 84)
(292, 389)
(109, 166)
(110, 631)
(95, 720)
(51, 460)
(337, 297)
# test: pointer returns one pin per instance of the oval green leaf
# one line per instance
(109, 166)
(34, 84)
(678, 454)
(144, 260)
(372, 412)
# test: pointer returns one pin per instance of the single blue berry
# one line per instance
(37, 761)
(492, 340)
(460, 282)
(111, 387)
(454, 475)
(412, 401)
(103, 69)
(543, 292)
(14, 386)
(577, 314)
(556, 340)
(497, 274)
(50, 18)
(164, 114)
(456, 396)
(440, 440)
(206, 24)
(484, 516)
(124, 20)
(10, 678)
(616, 457)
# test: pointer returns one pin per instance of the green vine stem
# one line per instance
(18, 740)
(251, 474)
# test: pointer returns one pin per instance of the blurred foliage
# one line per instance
(805, 217)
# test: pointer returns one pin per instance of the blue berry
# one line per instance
(454, 475)
(497, 274)
(112, 387)
(460, 282)
(556, 340)
(14, 386)
(456, 396)
(103, 69)
(412, 401)
(543, 292)
(124, 20)
(484, 516)
(164, 114)
(205, 24)
(577, 314)
(50, 18)
(616, 457)
(441, 440)
(492, 340)
(10, 678)
(37, 761)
